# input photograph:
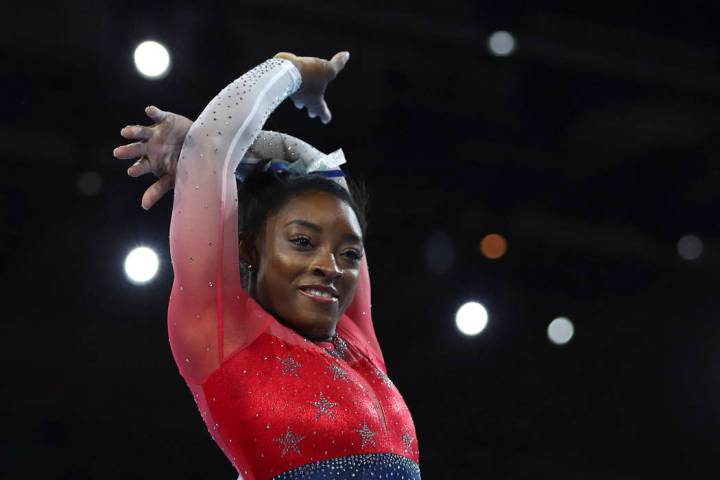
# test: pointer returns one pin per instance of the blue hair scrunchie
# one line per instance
(326, 165)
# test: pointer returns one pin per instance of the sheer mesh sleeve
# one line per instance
(281, 146)
(276, 146)
(359, 313)
(206, 314)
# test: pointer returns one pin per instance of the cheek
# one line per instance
(351, 279)
(280, 272)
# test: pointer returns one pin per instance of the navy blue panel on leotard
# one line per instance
(373, 466)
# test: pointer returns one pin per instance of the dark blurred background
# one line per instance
(592, 148)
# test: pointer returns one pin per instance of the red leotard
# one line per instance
(278, 405)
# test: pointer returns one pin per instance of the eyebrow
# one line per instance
(348, 237)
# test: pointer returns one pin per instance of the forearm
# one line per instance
(203, 228)
(205, 194)
(282, 146)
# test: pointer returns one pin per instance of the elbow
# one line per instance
(201, 145)
(201, 135)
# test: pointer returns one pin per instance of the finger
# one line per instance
(136, 132)
(339, 60)
(299, 104)
(325, 114)
(130, 151)
(156, 191)
(141, 167)
(285, 55)
(155, 114)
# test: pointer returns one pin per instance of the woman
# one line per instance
(283, 364)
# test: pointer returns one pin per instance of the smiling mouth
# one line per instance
(320, 295)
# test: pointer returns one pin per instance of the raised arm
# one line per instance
(207, 306)
(207, 297)
(207, 303)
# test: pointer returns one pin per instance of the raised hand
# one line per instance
(157, 149)
(316, 74)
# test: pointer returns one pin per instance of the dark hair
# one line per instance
(264, 193)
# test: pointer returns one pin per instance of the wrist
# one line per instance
(295, 60)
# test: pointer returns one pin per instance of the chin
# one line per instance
(315, 328)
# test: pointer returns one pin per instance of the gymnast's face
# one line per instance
(309, 262)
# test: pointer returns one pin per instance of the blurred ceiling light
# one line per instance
(501, 43)
(152, 59)
(493, 246)
(690, 247)
(471, 318)
(141, 265)
(560, 331)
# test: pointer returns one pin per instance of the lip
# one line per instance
(325, 288)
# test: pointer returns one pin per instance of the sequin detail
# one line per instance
(367, 435)
(340, 350)
(408, 440)
(289, 366)
(289, 441)
(324, 406)
(385, 379)
(338, 372)
(372, 466)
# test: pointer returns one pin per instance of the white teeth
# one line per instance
(318, 293)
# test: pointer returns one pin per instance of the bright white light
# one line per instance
(471, 318)
(152, 59)
(690, 247)
(141, 265)
(501, 43)
(560, 331)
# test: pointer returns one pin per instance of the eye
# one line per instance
(353, 255)
(301, 242)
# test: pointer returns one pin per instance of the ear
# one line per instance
(247, 249)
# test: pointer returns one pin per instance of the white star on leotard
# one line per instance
(338, 372)
(367, 435)
(408, 439)
(289, 366)
(289, 441)
(340, 350)
(325, 406)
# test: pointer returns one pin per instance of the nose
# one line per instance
(326, 266)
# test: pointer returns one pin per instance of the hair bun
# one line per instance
(261, 178)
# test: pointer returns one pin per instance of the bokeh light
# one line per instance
(471, 318)
(141, 265)
(501, 43)
(560, 331)
(152, 59)
(493, 246)
(690, 247)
